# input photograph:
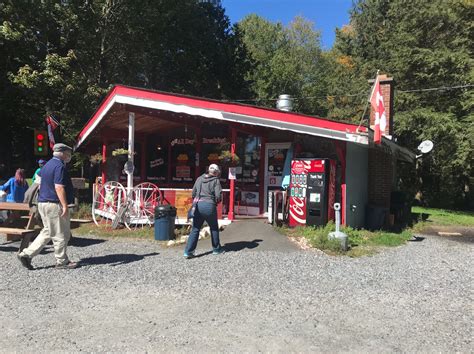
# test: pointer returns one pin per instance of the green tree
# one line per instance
(422, 44)
(285, 60)
(63, 56)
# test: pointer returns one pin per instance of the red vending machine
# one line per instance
(312, 191)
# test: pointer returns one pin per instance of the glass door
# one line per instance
(275, 156)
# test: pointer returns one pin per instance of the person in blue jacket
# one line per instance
(41, 163)
(16, 187)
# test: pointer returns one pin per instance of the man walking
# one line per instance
(56, 192)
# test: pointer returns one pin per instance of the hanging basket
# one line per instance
(120, 152)
(225, 159)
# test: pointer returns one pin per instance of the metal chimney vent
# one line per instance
(285, 103)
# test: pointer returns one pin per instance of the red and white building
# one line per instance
(175, 138)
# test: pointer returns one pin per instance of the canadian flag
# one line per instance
(376, 101)
(53, 134)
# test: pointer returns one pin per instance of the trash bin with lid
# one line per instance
(165, 216)
(375, 217)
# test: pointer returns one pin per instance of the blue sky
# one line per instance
(326, 14)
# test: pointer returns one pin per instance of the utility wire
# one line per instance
(441, 88)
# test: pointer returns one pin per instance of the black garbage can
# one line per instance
(375, 217)
(165, 216)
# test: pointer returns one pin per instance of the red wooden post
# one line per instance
(104, 160)
(232, 181)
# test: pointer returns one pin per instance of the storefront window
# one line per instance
(215, 145)
(183, 157)
(157, 166)
(248, 151)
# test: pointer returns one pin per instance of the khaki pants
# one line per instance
(55, 228)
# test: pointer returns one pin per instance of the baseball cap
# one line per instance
(214, 168)
(60, 147)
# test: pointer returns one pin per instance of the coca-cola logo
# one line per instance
(298, 167)
(298, 210)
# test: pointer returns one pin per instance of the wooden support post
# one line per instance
(131, 147)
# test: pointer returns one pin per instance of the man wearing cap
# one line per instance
(56, 192)
(41, 163)
(207, 191)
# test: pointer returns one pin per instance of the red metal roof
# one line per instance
(228, 111)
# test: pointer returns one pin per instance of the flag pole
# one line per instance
(60, 125)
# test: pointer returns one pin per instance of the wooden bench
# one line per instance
(24, 233)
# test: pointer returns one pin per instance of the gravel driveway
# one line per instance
(135, 296)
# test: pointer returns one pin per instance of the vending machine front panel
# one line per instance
(317, 198)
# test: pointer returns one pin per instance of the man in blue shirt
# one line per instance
(56, 192)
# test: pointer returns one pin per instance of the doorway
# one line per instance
(275, 156)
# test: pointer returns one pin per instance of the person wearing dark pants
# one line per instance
(207, 191)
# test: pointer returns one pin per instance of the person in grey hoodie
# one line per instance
(208, 192)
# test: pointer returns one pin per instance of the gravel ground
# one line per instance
(135, 296)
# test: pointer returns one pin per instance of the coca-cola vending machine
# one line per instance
(312, 191)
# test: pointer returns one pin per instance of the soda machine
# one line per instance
(312, 191)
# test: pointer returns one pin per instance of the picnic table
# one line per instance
(25, 233)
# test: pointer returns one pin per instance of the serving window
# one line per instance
(215, 148)
(183, 157)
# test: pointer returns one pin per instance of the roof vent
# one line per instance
(285, 103)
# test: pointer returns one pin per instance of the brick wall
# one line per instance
(386, 86)
(380, 177)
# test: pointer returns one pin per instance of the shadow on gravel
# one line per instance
(8, 249)
(416, 239)
(239, 246)
(233, 247)
(84, 242)
(114, 259)
(4, 248)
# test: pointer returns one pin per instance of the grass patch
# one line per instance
(107, 232)
(361, 242)
(443, 217)
(84, 211)
(146, 233)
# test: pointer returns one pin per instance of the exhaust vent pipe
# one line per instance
(285, 103)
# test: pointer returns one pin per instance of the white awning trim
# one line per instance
(231, 117)
(165, 106)
(93, 126)
(297, 128)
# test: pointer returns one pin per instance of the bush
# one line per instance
(361, 242)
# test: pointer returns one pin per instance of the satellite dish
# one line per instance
(426, 146)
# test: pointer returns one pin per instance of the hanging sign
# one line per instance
(232, 173)
(214, 140)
